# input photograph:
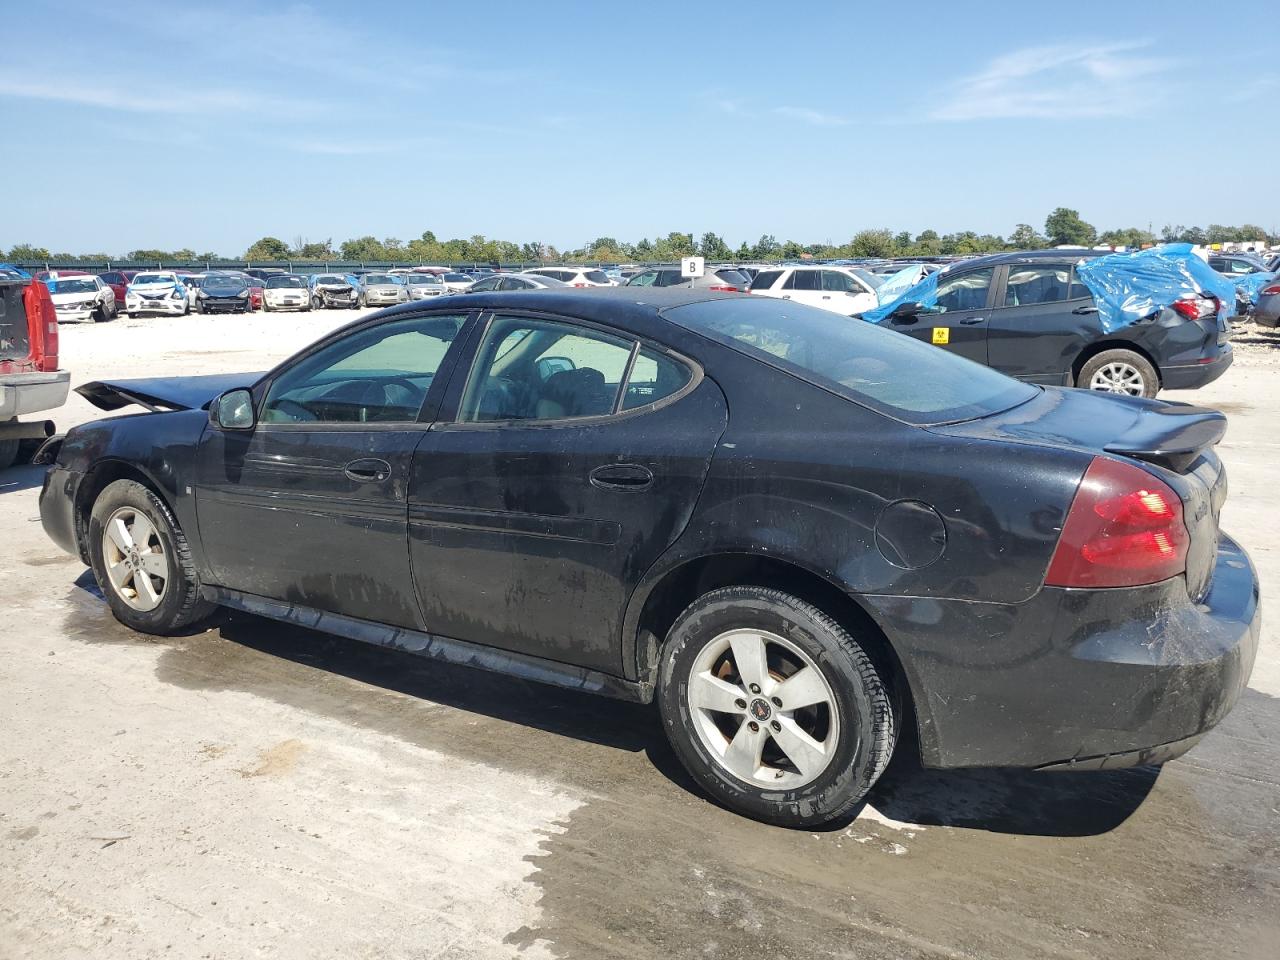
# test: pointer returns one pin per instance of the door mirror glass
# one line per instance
(904, 310)
(233, 410)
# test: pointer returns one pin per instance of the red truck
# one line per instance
(30, 381)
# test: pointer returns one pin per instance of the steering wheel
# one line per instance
(295, 411)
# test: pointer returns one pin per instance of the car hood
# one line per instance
(224, 289)
(86, 295)
(154, 287)
(1168, 433)
(332, 285)
(164, 393)
(383, 287)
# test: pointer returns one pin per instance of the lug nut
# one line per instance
(740, 704)
(776, 701)
(755, 688)
(777, 727)
(753, 726)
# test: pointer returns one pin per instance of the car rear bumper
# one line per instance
(1266, 312)
(1194, 375)
(1077, 678)
(32, 392)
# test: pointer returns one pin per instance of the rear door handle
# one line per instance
(971, 321)
(368, 470)
(622, 476)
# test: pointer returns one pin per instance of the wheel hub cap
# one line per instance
(136, 565)
(760, 710)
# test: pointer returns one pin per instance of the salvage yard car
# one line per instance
(424, 286)
(222, 293)
(156, 292)
(30, 381)
(381, 290)
(284, 291)
(838, 289)
(332, 290)
(801, 535)
(1029, 315)
(82, 298)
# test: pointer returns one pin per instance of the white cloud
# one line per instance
(88, 94)
(808, 115)
(1057, 82)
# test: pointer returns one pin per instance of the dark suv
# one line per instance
(1030, 316)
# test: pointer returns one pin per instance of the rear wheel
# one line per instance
(773, 707)
(141, 561)
(1120, 371)
(8, 450)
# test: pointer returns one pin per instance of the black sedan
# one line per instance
(222, 293)
(800, 535)
(1030, 316)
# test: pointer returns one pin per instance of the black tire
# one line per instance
(100, 315)
(867, 721)
(132, 315)
(181, 605)
(8, 451)
(1150, 378)
(317, 303)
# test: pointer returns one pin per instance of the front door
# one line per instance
(310, 506)
(958, 321)
(1042, 319)
(574, 460)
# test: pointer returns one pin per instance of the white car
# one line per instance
(458, 282)
(79, 297)
(576, 276)
(837, 289)
(158, 291)
(285, 291)
(424, 286)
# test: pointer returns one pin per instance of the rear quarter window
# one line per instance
(886, 371)
(765, 279)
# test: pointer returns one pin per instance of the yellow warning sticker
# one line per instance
(942, 335)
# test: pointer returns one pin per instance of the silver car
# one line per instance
(381, 290)
(517, 281)
(424, 286)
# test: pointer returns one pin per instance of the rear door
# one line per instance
(958, 323)
(1043, 317)
(805, 286)
(574, 460)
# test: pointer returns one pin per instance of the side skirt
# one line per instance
(436, 647)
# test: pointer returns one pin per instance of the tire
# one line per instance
(266, 308)
(9, 451)
(855, 723)
(1125, 371)
(178, 603)
(132, 314)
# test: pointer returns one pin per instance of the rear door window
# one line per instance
(596, 276)
(1029, 285)
(802, 280)
(1078, 290)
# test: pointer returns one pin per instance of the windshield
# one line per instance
(458, 278)
(277, 282)
(596, 276)
(872, 280)
(372, 278)
(889, 372)
(72, 286)
(425, 280)
(155, 278)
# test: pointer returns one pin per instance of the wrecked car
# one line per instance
(332, 290)
(1116, 323)
(800, 536)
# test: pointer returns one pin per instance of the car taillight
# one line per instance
(1196, 308)
(1271, 290)
(580, 284)
(1124, 529)
(723, 288)
(42, 326)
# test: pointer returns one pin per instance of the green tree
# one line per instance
(767, 248)
(268, 248)
(1064, 227)
(713, 247)
(148, 256)
(312, 250)
(1025, 237)
(363, 248)
(744, 251)
(26, 253)
(1131, 237)
(872, 243)
(186, 255)
(928, 243)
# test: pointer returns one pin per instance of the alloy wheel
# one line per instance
(763, 709)
(1118, 377)
(135, 559)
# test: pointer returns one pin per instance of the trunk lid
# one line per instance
(164, 393)
(1173, 441)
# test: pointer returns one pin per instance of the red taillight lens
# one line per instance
(1124, 529)
(1271, 290)
(723, 288)
(580, 284)
(42, 326)
(1195, 308)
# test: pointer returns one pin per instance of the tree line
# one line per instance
(1063, 226)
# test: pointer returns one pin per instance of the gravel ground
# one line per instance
(261, 790)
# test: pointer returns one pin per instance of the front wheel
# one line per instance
(1120, 371)
(773, 707)
(141, 561)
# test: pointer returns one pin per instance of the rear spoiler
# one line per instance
(1173, 435)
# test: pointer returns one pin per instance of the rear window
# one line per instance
(733, 278)
(891, 373)
(765, 279)
(597, 276)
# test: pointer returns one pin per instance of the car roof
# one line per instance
(610, 305)
(1028, 256)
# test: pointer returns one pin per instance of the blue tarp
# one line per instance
(1129, 286)
(1250, 283)
(899, 282)
(18, 270)
(1126, 286)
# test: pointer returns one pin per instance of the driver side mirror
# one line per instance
(233, 410)
(906, 312)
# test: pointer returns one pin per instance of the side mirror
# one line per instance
(233, 410)
(906, 312)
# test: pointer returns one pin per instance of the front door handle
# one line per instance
(368, 470)
(971, 321)
(1084, 310)
(622, 476)
(786, 296)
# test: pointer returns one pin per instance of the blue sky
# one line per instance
(176, 125)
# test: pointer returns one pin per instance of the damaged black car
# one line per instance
(801, 536)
